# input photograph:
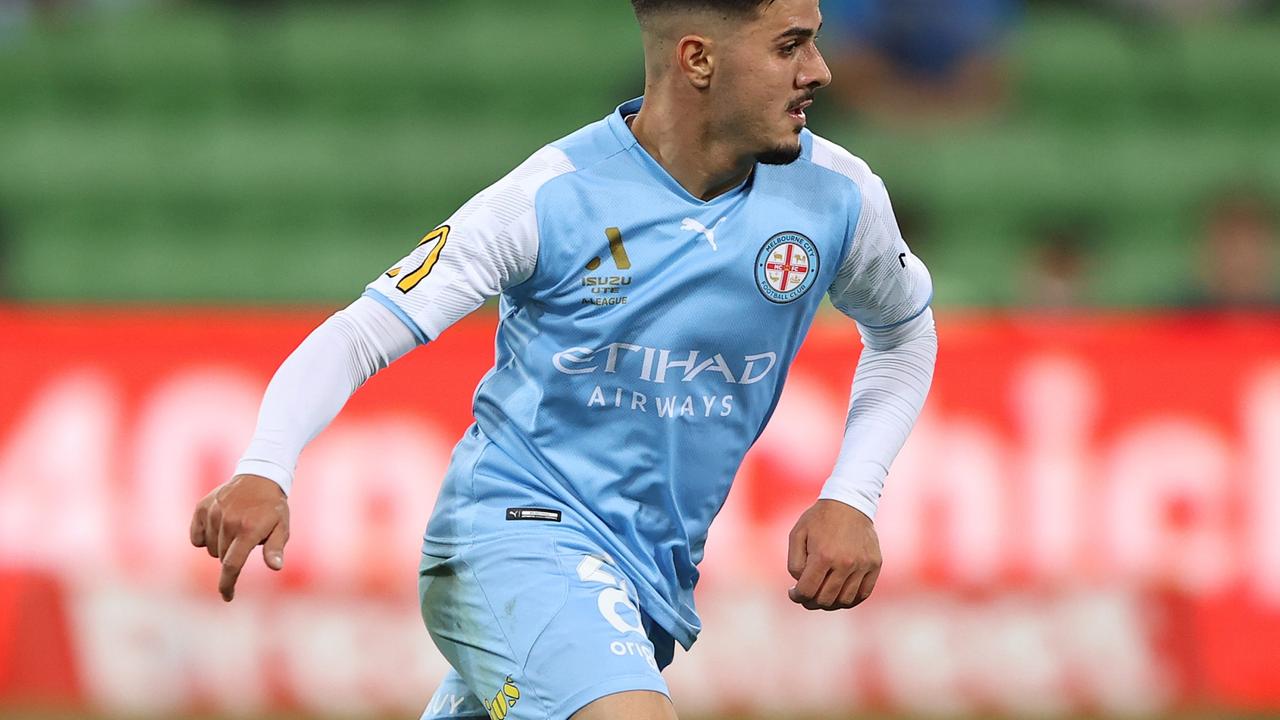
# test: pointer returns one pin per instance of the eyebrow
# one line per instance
(799, 32)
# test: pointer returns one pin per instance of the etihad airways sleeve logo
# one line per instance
(657, 365)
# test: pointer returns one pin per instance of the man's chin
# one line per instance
(781, 155)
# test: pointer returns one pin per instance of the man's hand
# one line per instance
(235, 518)
(834, 556)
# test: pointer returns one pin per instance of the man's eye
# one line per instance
(790, 49)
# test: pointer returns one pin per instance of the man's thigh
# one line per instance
(539, 625)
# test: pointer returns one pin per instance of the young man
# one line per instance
(657, 272)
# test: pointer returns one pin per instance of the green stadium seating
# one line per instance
(180, 153)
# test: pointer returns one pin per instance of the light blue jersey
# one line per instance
(644, 339)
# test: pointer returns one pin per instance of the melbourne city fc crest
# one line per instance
(786, 267)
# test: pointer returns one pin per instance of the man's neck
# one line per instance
(687, 148)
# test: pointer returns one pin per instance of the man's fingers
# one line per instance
(197, 526)
(212, 529)
(829, 593)
(834, 555)
(807, 586)
(796, 552)
(232, 563)
(849, 593)
(273, 548)
(806, 603)
(868, 584)
(235, 518)
(227, 533)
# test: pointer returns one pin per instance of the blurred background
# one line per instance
(1086, 522)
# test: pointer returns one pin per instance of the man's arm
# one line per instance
(304, 396)
(834, 553)
(488, 246)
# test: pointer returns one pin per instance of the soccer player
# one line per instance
(657, 271)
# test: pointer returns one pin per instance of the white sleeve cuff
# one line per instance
(277, 474)
(859, 487)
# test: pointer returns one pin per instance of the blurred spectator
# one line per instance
(1237, 253)
(1057, 268)
(921, 60)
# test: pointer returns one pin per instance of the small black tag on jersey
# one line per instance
(533, 514)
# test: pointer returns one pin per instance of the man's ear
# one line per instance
(693, 57)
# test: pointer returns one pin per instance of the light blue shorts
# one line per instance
(536, 626)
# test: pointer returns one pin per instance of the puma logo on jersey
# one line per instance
(689, 224)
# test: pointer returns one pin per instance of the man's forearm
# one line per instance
(889, 389)
(317, 379)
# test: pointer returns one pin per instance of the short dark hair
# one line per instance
(645, 8)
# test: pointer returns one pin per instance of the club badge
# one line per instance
(786, 267)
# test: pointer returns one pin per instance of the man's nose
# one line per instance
(815, 73)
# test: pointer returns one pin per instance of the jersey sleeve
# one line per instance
(489, 245)
(315, 381)
(881, 283)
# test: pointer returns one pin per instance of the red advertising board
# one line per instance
(1087, 518)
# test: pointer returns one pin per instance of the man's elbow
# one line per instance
(918, 331)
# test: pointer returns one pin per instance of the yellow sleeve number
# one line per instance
(439, 236)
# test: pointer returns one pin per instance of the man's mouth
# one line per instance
(797, 110)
